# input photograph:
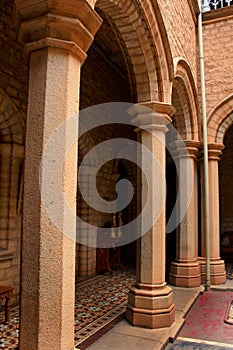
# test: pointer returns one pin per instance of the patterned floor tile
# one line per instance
(98, 301)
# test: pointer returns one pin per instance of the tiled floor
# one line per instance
(9, 333)
(99, 302)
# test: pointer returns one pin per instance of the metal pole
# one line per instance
(205, 148)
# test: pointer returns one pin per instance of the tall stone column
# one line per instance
(56, 35)
(185, 270)
(150, 300)
(217, 266)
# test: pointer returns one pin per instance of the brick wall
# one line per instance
(101, 83)
(218, 51)
(181, 30)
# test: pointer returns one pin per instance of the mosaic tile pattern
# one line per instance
(9, 333)
(98, 301)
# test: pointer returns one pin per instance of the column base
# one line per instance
(217, 271)
(185, 274)
(150, 306)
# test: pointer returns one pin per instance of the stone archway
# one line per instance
(223, 139)
(11, 179)
(185, 269)
(225, 179)
(142, 30)
(151, 81)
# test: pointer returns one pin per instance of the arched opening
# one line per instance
(226, 200)
(11, 180)
(106, 76)
(182, 264)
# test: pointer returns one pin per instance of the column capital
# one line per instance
(185, 148)
(71, 21)
(151, 115)
(214, 151)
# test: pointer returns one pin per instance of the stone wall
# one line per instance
(180, 23)
(218, 51)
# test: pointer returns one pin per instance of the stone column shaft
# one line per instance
(150, 300)
(56, 36)
(185, 271)
(217, 266)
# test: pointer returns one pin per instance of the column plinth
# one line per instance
(150, 299)
(150, 308)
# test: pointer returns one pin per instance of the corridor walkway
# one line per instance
(100, 324)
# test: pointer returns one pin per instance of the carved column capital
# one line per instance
(185, 148)
(214, 151)
(49, 22)
(152, 115)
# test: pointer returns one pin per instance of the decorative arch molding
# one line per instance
(220, 119)
(185, 87)
(12, 125)
(224, 126)
(147, 47)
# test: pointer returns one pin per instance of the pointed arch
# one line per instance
(220, 119)
(139, 24)
(185, 96)
(11, 122)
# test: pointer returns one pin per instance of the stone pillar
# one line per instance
(150, 300)
(217, 266)
(185, 271)
(56, 35)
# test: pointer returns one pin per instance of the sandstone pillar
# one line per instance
(185, 271)
(56, 35)
(150, 300)
(217, 266)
